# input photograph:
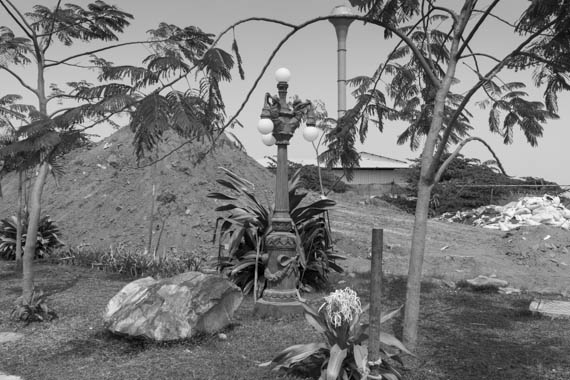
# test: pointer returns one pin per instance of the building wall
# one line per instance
(375, 176)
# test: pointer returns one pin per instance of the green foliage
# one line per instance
(509, 99)
(343, 354)
(129, 262)
(415, 69)
(198, 113)
(35, 310)
(46, 137)
(310, 176)
(454, 193)
(244, 229)
(47, 238)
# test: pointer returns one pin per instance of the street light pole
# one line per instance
(341, 25)
(278, 124)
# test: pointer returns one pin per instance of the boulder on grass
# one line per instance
(173, 308)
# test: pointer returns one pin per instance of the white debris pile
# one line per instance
(528, 211)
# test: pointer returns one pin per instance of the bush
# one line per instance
(36, 310)
(131, 263)
(310, 177)
(47, 239)
(467, 184)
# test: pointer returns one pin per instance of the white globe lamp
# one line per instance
(268, 140)
(265, 126)
(310, 133)
(282, 75)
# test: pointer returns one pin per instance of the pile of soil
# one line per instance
(104, 200)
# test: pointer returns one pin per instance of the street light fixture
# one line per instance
(278, 123)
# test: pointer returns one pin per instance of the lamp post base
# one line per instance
(273, 309)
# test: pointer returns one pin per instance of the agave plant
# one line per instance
(242, 233)
(343, 354)
(47, 239)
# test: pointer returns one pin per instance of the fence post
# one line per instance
(375, 294)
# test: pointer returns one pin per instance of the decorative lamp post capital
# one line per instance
(286, 119)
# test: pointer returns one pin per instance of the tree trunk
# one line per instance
(18, 260)
(31, 237)
(426, 183)
(412, 310)
(151, 213)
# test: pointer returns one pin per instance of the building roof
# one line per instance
(375, 161)
(367, 161)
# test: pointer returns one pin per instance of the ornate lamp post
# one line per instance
(278, 124)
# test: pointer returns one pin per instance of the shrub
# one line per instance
(244, 230)
(36, 310)
(467, 184)
(310, 177)
(342, 355)
(128, 262)
(47, 239)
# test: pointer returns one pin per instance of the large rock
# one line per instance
(173, 308)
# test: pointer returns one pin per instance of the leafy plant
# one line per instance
(343, 354)
(47, 237)
(35, 310)
(242, 233)
(128, 262)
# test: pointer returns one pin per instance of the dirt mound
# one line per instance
(104, 199)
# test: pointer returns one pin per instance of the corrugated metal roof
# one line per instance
(367, 161)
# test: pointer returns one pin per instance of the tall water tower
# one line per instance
(341, 25)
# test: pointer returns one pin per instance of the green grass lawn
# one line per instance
(463, 335)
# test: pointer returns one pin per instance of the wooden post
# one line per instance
(375, 294)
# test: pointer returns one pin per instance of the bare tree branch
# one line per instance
(496, 17)
(55, 63)
(24, 84)
(21, 23)
(426, 41)
(441, 94)
(455, 153)
(498, 67)
(251, 19)
(446, 10)
(75, 65)
(51, 32)
(480, 55)
(545, 61)
(477, 26)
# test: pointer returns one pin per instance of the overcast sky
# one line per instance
(310, 55)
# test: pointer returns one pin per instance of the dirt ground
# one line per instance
(104, 200)
(533, 259)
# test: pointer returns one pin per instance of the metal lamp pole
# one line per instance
(278, 124)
